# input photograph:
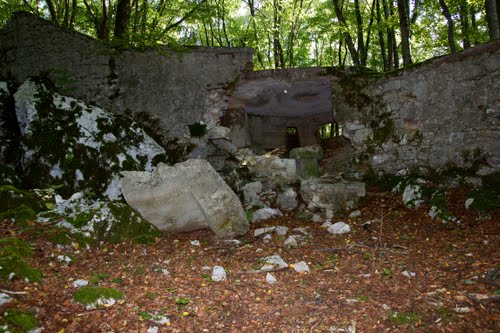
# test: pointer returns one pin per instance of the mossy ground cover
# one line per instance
(451, 264)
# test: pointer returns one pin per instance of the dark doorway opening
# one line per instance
(292, 138)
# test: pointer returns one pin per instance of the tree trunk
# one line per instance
(122, 18)
(492, 16)
(463, 9)
(405, 32)
(392, 50)
(359, 29)
(451, 27)
(381, 37)
(350, 44)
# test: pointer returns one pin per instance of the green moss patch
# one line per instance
(91, 222)
(12, 263)
(405, 318)
(16, 321)
(93, 296)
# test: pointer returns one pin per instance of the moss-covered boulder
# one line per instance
(94, 221)
(65, 141)
(94, 297)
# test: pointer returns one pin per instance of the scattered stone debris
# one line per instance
(287, 200)
(262, 231)
(291, 242)
(281, 231)
(80, 283)
(339, 228)
(266, 213)
(218, 274)
(4, 299)
(409, 274)
(275, 260)
(270, 278)
(301, 267)
(355, 214)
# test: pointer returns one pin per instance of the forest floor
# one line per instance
(355, 283)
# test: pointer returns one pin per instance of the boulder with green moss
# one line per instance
(94, 221)
(94, 296)
(65, 141)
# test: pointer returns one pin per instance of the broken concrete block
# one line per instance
(187, 196)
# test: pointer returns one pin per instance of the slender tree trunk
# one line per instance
(52, 11)
(463, 9)
(451, 27)
(279, 60)
(381, 37)
(359, 29)
(492, 16)
(350, 44)
(368, 35)
(392, 50)
(405, 32)
(73, 14)
(473, 24)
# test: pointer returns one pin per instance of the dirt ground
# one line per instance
(355, 283)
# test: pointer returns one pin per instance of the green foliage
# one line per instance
(286, 33)
(16, 321)
(91, 295)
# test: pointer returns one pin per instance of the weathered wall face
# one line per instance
(180, 88)
(445, 111)
(274, 100)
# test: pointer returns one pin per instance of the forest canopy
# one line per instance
(380, 34)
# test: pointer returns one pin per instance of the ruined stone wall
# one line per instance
(180, 88)
(435, 115)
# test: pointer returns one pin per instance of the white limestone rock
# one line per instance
(339, 228)
(266, 213)
(218, 274)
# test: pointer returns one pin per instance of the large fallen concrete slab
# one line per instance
(187, 196)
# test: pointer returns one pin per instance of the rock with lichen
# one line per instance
(65, 141)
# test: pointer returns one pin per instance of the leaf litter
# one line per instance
(403, 272)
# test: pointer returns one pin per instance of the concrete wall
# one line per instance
(443, 112)
(180, 88)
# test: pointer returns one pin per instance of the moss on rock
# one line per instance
(95, 296)
(17, 321)
(82, 147)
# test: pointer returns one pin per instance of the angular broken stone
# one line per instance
(275, 260)
(291, 242)
(270, 278)
(187, 196)
(339, 228)
(262, 231)
(265, 213)
(281, 231)
(218, 274)
(301, 267)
